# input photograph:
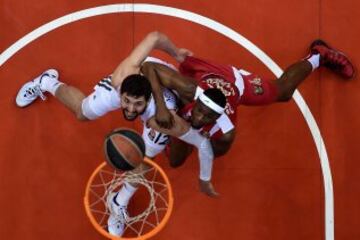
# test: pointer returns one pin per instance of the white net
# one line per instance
(148, 209)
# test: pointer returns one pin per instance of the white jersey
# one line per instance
(106, 98)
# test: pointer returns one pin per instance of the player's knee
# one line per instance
(285, 97)
(220, 153)
(176, 162)
(79, 115)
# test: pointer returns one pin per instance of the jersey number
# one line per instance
(161, 139)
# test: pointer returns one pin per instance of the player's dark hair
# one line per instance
(136, 85)
(216, 96)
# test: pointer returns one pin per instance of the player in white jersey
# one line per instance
(135, 91)
(127, 89)
(106, 98)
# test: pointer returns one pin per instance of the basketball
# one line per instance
(124, 149)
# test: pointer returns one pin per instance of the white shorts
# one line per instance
(104, 99)
(155, 142)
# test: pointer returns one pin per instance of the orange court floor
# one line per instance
(271, 183)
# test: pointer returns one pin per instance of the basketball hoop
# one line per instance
(149, 210)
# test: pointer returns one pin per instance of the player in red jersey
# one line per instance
(199, 106)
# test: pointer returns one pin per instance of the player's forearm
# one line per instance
(205, 152)
(206, 158)
(150, 72)
(162, 42)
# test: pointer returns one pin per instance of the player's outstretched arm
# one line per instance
(222, 145)
(206, 158)
(183, 131)
(162, 76)
(153, 40)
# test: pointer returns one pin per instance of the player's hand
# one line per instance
(182, 53)
(207, 188)
(164, 118)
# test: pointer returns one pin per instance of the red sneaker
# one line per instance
(333, 59)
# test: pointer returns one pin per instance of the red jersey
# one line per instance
(210, 75)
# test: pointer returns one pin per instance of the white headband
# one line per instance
(211, 104)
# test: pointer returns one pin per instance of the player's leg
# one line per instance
(48, 81)
(178, 152)
(103, 99)
(292, 77)
(119, 202)
(155, 143)
(72, 98)
(321, 54)
(128, 190)
(260, 91)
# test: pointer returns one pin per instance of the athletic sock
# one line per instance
(125, 194)
(314, 60)
(50, 84)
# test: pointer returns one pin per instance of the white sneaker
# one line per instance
(30, 91)
(118, 216)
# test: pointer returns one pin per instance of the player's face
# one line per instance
(132, 106)
(202, 115)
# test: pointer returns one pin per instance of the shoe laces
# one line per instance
(336, 58)
(118, 211)
(39, 92)
(35, 92)
(121, 214)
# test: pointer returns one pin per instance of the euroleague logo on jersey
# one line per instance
(257, 86)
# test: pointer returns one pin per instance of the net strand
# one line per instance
(111, 181)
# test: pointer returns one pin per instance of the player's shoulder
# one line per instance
(124, 70)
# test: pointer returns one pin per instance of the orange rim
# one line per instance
(148, 235)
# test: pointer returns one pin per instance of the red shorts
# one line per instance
(258, 91)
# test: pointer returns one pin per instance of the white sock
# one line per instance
(50, 85)
(125, 194)
(314, 60)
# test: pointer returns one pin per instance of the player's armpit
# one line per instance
(222, 145)
(179, 128)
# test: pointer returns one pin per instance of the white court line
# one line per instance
(222, 29)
